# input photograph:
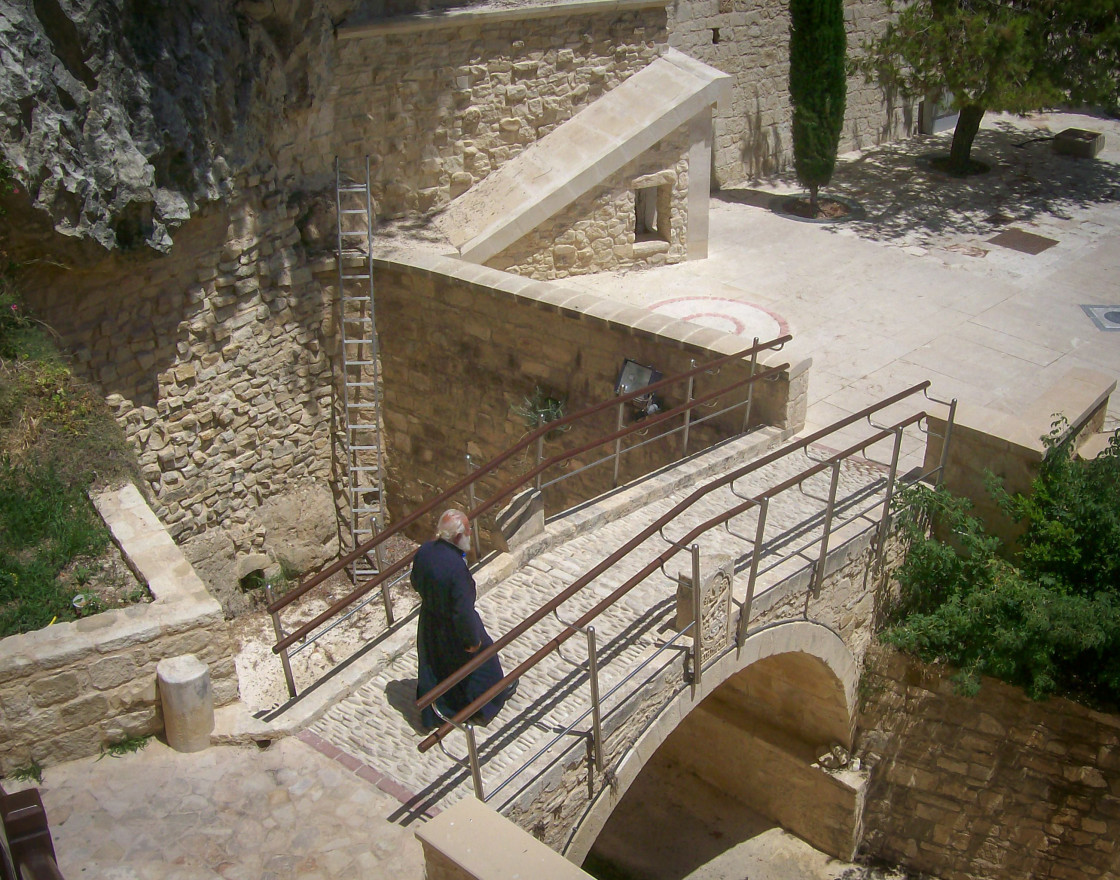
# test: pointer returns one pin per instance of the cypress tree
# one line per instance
(818, 89)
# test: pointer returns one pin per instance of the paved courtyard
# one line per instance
(913, 290)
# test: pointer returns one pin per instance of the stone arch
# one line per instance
(803, 677)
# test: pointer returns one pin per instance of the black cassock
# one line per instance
(448, 626)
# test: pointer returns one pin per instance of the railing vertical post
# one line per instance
(278, 629)
(945, 442)
(596, 717)
(750, 387)
(386, 600)
(472, 757)
(745, 611)
(818, 574)
(540, 458)
(688, 412)
(885, 519)
(475, 540)
(618, 445)
(697, 623)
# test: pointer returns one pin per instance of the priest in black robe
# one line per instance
(450, 632)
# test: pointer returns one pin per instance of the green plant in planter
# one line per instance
(541, 408)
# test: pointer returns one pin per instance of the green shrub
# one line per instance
(1046, 617)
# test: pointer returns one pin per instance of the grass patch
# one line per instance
(33, 772)
(126, 746)
(57, 440)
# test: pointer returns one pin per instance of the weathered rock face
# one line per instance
(124, 117)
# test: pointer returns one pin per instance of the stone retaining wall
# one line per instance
(753, 129)
(987, 787)
(463, 345)
(70, 689)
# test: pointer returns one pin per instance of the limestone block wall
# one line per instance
(986, 787)
(439, 102)
(216, 361)
(597, 233)
(462, 345)
(750, 40)
(71, 688)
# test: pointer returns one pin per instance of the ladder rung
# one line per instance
(365, 448)
(353, 211)
(363, 404)
(363, 427)
(365, 467)
(355, 277)
(352, 188)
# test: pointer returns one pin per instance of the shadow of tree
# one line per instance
(907, 202)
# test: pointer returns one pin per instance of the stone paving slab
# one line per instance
(227, 813)
(379, 727)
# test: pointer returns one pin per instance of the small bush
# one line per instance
(1047, 617)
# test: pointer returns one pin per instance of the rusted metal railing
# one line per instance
(760, 502)
(389, 575)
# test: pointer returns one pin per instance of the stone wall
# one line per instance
(216, 361)
(70, 689)
(597, 233)
(438, 103)
(463, 345)
(987, 787)
(753, 129)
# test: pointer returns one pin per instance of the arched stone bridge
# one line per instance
(755, 722)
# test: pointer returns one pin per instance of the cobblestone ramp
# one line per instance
(379, 726)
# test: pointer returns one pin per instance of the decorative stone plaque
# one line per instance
(717, 575)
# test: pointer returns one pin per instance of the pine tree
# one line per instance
(818, 88)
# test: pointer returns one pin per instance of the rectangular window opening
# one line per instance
(649, 224)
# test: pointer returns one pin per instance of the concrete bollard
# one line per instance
(188, 702)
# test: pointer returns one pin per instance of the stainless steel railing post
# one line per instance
(697, 629)
(540, 458)
(750, 388)
(386, 600)
(745, 611)
(472, 752)
(884, 522)
(596, 717)
(618, 445)
(278, 629)
(818, 574)
(945, 442)
(476, 541)
(688, 412)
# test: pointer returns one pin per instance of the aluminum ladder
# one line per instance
(361, 364)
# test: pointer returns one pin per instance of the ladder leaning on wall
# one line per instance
(361, 362)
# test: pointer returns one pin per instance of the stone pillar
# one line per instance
(188, 702)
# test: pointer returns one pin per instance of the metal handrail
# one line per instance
(596, 570)
(776, 344)
(285, 641)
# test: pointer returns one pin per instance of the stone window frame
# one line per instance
(653, 198)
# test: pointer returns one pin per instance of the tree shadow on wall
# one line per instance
(906, 201)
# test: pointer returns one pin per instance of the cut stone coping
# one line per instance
(483, 844)
(181, 601)
(488, 16)
(567, 163)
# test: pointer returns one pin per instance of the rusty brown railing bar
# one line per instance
(776, 344)
(602, 566)
(492, 501)
(658, 562)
